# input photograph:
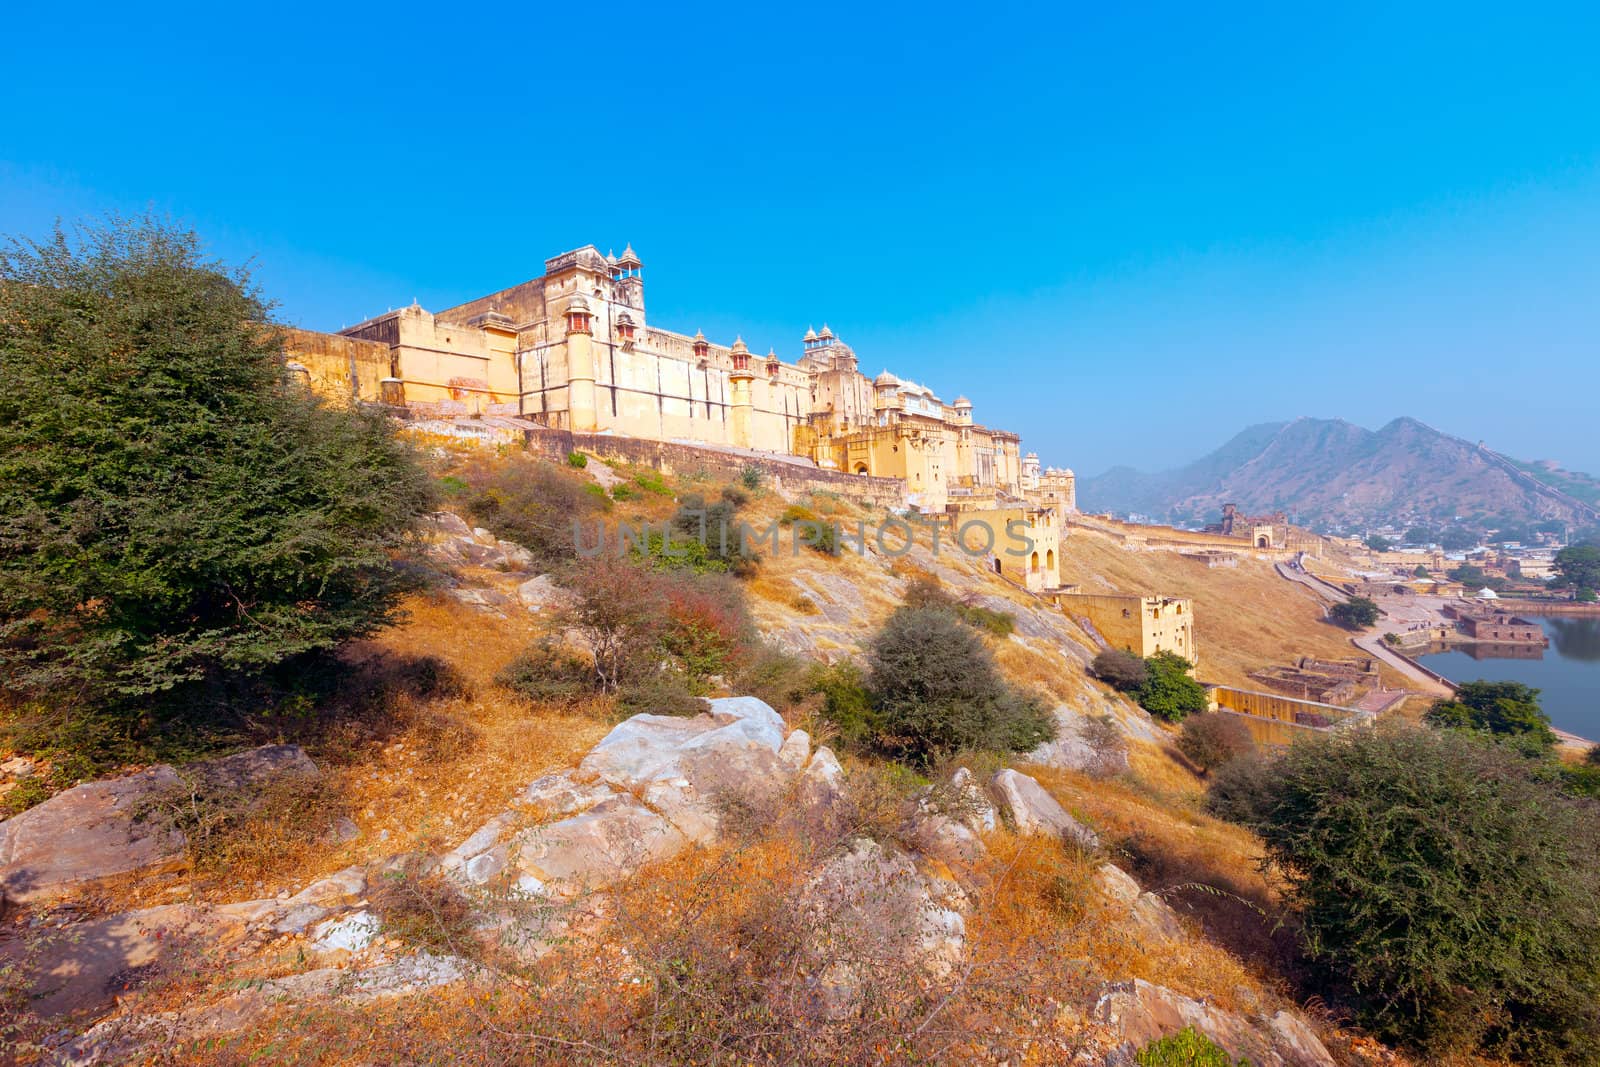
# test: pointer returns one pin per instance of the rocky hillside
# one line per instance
(1330, 472)
(457, 873)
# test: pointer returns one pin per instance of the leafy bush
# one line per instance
(1509, 709)
(1357, 613)
(661, 693)
(1186, 1048)
(1211, 740)
(633, 618)
(652, 482)
(549, 671)
(847, 705)
(172, 510)
(531, 502)
(1241, 788)
(1445, 883)
(751, 477)
(797, 513)
(577, 460)
(618, 608)
(785, 681)
(936, 688)
(708, 629)
(924, 590)
(1120, 670)
(1169, 693)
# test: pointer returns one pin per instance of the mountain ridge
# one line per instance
(1331, 472)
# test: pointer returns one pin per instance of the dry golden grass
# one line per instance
(1153, 825)
(1246, 617)
(417, 773)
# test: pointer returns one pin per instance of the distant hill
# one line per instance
(1331, 473)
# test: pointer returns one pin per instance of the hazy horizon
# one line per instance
(1126, 236)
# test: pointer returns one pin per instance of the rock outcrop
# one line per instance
(1032, 810)
(100, 829)
(1142, 1012)
(1151, 915)
(654, 784)
(877, 911)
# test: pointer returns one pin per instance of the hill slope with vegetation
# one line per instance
(449, 786)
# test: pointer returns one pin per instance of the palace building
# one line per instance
(574, 350)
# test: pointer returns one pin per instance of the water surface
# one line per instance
(1567, 673)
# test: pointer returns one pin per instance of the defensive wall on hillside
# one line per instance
(675, 458)
(1309, 713)
(1170, 538)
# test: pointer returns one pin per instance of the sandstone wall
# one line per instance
(340, 368)
(672, 458)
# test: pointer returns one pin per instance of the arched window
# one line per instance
(997, 568)
(1050, 560)
(1033, 564)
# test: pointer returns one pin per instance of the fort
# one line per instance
(573, 351)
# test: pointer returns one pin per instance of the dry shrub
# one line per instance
(1205, 868)
(423, 909)
(237, 834)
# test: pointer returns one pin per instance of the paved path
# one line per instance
(1331, 593)
(1372, 644)
(1379, 701)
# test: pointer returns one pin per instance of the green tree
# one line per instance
(1168, 692)
(1379, 544)
(1509, 709)
(1579, 566)
(1357, 613)
(172, 509)
(1421, 572)
(936, 689)
(1443, 882)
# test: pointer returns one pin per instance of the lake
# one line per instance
(1567, 674)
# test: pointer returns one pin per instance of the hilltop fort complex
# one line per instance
(573, 350)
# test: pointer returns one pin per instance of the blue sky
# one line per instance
(1124, 233)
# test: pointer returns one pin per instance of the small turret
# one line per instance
(579, 316)
(773, 366)
(741, 357)
(883, 387)
(701, 348)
